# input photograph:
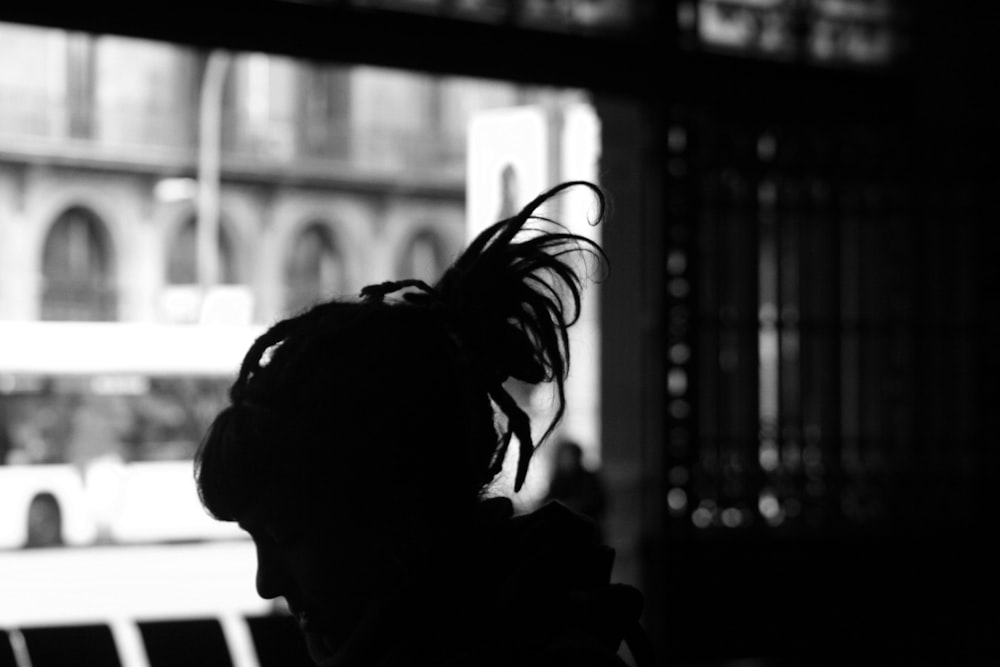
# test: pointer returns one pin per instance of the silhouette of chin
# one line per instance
(327, 637)
(319, 650)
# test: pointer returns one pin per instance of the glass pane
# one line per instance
(314, 270)
(560, 15)
(863, 32)
(764, 26)
(425, 258)
(77, 268)
(809, 348)
(140, 93)
(99, 420)
(324, 178)
(182, 264)
(33, 96)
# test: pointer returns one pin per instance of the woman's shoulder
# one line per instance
(532, 590)
(554, 591)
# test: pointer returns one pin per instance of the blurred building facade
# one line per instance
(331, 177)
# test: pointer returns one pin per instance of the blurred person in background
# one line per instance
(575, 485)
(361, 450)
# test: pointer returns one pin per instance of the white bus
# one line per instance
(147, 605)
(98, 426)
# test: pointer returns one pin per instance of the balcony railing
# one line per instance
(38, 114)
(33, 113)
(42, 121)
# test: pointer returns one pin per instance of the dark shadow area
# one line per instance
(912, 602)
(6, 651)
(71, 645)
(188, 643)
(821, 378)
(278, 641)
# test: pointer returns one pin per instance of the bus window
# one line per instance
(357, 174)
(99, 448)
(108, 451)
(130, 418)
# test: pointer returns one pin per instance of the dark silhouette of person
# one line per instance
(359, 450)
(44, 522)
(509, 193)
(576, 486)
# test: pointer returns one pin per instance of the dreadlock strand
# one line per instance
(527, 286)
(251, 361)
(379, 291)
(518, 426)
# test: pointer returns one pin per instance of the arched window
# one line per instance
(77, 271)
(313, 270)
(424, 257)
(182, 263)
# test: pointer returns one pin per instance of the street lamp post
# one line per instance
(209, 151)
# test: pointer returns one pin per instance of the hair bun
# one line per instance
(512, 295)
(503, 350)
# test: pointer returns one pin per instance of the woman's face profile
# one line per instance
(315, 574)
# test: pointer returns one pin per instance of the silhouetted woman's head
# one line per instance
(362, 432)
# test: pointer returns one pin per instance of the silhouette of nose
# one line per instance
(271, 578)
